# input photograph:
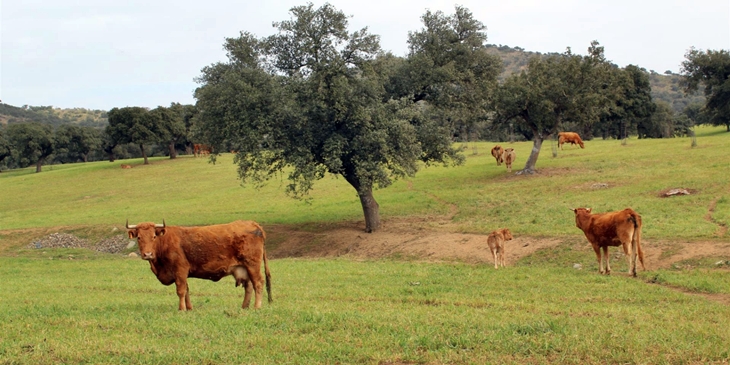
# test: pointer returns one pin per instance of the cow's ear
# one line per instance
(589, 210)
(132, 233)
(160, 231)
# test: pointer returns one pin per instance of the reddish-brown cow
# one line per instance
(125, 166)
(201, 150)
(622, 228)
(496, 240)
(509, 157)
(569, 137)
(210, 252)
(497, 152)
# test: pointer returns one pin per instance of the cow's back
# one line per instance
(212, 250)
(605, 227)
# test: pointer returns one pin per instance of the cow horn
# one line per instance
(134, 226)
(160, 225)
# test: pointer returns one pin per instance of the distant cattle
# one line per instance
(569, 137)
(200, 150)
(209, 252)
(509, 157)
(125, 166)
(497, 153)
(496, 241)
(622, 228)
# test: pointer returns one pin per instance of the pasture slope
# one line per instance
(420, 290)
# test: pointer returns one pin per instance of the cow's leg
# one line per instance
(181, 286)
(254, 274)
(597, 250)
(241, 276)
(632, 256)
(494, 255)
(187, 298)
(608, 265)
(501, 256)
(248, 287)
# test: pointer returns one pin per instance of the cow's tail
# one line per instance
(267, 272)
(636, 239)
(268, 277)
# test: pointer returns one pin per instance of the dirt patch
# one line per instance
(426, 239)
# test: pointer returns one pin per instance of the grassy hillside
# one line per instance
(605, 176)
(64, 306)
(51, 115)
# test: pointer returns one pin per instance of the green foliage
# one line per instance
(448, 67)
(712, 70)
(630, 106)
(555, 90)
(309, 101)
(74, 143)
(30, 143)
(133, 125)
(113, 310)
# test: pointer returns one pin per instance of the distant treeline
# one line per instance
(665, 86)
(54, 116)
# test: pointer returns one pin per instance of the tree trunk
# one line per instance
(171, 147)
(144, 154)
(371, 209)
(86, 157)
(38, 165)
(532, 160)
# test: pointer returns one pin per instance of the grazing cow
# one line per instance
(210, 252)
(125, 166)
(509, 157)
(622, 228)
(569, 137)
(497, 153)
(496, 240)
(200, 150)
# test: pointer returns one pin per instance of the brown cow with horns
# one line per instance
(209, 252)
(622, 228)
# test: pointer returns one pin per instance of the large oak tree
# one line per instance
(553, 90)
(310, 101)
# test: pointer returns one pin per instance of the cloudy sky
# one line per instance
(100, 54)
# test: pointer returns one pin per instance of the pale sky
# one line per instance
(100, 54)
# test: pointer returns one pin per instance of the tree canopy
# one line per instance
(710, 69)
(310, 100)
(553, 90)
(33, 143)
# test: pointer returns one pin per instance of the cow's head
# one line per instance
(580, 215)
(146, 235)
(507, 234)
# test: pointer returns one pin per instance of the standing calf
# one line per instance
(497, 153)
(509, 158)
(622, 228)
(496, 240)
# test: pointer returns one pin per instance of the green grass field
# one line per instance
(338, 311)
(76, 306)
